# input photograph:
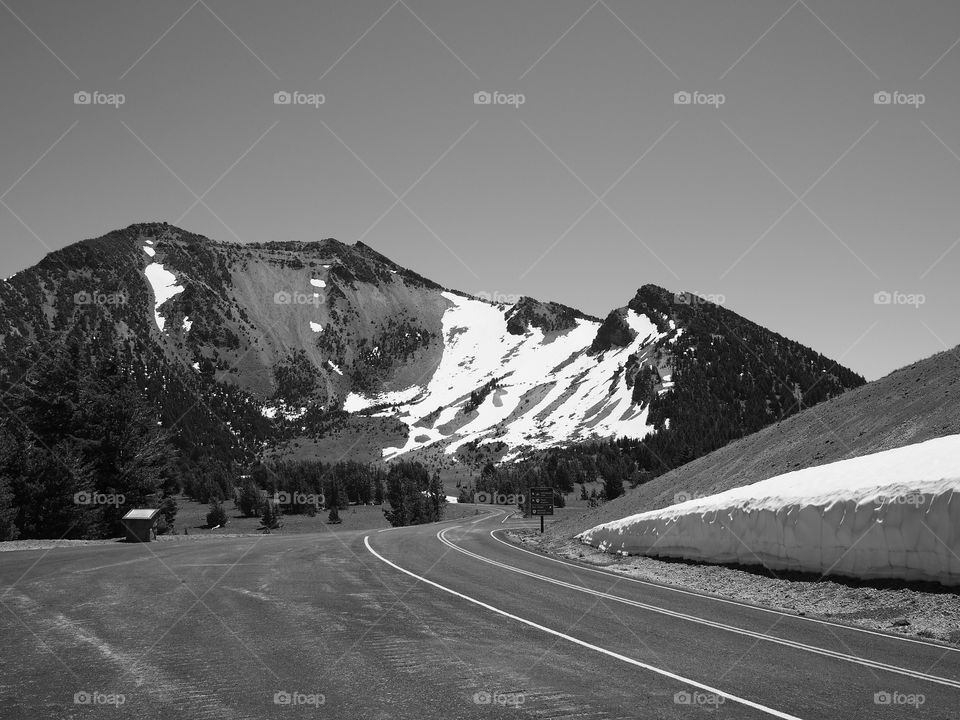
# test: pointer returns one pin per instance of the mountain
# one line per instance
(333, 348)
(915, 404)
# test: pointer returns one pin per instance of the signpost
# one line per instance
(541, 503)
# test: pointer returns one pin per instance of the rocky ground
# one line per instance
(918, 610)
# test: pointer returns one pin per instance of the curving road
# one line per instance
(438, 621)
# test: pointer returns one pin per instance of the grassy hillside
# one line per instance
(913, 404)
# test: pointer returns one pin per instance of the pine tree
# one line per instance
(271, 517)
(249, 500)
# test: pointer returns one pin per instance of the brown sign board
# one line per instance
(541, 501)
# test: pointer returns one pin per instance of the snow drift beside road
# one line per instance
(893, 514)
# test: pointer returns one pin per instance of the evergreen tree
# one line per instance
(271, 517)
(249, 499)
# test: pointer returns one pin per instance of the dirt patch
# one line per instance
(9, 545)
(918, 610)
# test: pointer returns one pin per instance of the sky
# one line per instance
(786, 188)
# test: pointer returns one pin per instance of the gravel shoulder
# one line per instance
(919, 610)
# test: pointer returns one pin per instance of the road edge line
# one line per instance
(583, 643)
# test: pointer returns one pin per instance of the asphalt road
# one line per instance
(439, 621)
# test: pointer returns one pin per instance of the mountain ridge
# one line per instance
(286, 335)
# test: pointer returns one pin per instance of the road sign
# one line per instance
(541, 501)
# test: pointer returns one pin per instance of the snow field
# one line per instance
(478, 349)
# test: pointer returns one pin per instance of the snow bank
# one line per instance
(893, 514)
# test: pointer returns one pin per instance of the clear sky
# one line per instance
(794, 201)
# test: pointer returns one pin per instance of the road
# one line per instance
(440, 621)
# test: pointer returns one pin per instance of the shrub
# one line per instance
(216, 516)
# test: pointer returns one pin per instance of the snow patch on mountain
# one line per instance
(271, 412)
(149, 250)
(535, 390)
(316, 327)
(355, 402)
(164, 285)
(892, 514)
(318, 283)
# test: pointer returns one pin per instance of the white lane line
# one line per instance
(589, 646)
(714, 598)
(793, 644)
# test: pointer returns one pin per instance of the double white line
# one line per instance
(576, 641)
(914, 674)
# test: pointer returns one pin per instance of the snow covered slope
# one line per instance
(893, 514)
(526, 390)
